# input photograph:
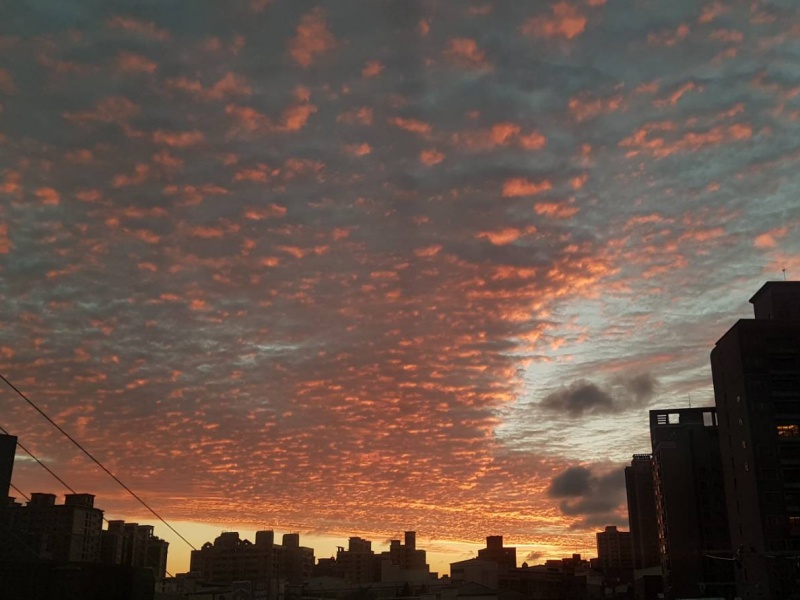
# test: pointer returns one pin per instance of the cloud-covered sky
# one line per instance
(360, 267)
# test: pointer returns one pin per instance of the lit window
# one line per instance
(788, 430)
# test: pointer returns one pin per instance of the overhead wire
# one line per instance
(96, 461)
(49, 470)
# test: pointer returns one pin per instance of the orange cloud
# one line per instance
(464, 52)
(522, 187)
(769, 239)
(712, 11)
(165, 159)
(372, 69)
(584, 107)
(257, 214)
(312, 38)
(230, 85)
(143, 28)
(178, 139)
(412, 125)
(357, 116)
(659, 146)
(295, 117)
(566, 22)
(5, 242)
(428, 251)
(431, 157)
(48, 196)
(728, 36)
(135, 63)
(258, 175)
(7, 85)
(358, 149)
(114, 109)
(139, 176)
(669, 37)
(532, 141)
(675, 96)
(501, 237)
(555, 210)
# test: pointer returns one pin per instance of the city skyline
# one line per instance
(351, 269)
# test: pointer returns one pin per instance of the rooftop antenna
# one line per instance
(690, 398)
(784, 274)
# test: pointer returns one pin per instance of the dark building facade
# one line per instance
(642, 511)
(756, 374)
(68, 532)
(8, 448)
(615, 555)
(690, 503)
(134, 545)
(495, 551)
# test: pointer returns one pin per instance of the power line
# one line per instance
(46, 468)
(61, 481)
(97, 462)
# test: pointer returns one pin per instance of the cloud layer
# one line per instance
(364, 267)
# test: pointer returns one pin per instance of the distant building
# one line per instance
(475, 570)
(267, 565)
(505, 556)
(358, 564)
(231, 558)
(690, 503)
(68, 532)
(756, 373)
(642, 519)
(298, 561)
(404, 562)
(134, 545)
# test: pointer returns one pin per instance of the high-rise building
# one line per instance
(134, 545)
(8, 447)
(298, 561)
(756, 374)
(642, 511)
(615, 554)
(404, 562)
(505, 556)
(690, 503)
(359, 563)
(68, 532)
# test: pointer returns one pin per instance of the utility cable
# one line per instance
(44, 466)
(61, 481)
(97, 462)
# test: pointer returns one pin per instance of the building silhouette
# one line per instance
(134, 545)
(690, 503)
(615, 555)
(504, 556)
(68, 532)
(404, 561)
(756, 374)
(359, 563)
(642, 519)
(8, 448)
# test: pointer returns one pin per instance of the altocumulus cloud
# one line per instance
(584, 397)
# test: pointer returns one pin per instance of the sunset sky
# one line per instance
(358, 267)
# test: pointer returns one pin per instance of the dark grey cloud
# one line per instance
(583, 397)
(589, 493)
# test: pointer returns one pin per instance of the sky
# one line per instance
(355, 268)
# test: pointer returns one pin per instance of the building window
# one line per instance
(788, 431)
